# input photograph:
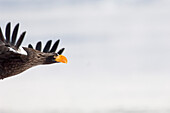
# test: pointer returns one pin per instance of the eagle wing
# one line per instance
(9, 46)
(47, 48)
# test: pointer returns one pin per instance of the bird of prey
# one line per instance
(12, 62)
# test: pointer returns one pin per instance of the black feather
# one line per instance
(38, 46)
(7, 32)
(54, 48)
(30, 46)
(60, 51)
(47, 46)
(1, 36)
(14, 34)
(20, 40)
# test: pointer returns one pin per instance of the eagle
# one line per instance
(13, 61)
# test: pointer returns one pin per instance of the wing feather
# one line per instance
(60, 51)
(38, 46)
(54, 48)
(47, 46)
(30, 46)
(1, 36)
(7, 32)
(14, 34)
(20, 40)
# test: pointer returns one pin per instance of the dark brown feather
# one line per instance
(7, 33)
(20, 40)
(47, 46)
(54, 48)
(1, 36)
(30, 46)
(60, 51)
(38, 46)
(14, 34)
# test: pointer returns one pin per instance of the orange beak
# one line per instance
(61, 58)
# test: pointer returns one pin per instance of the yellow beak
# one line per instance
(61, 58)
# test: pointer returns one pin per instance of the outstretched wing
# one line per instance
(9, 46)
(47, 48)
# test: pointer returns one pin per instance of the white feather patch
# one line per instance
(20, 51)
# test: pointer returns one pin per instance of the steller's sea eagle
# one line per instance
(13, 62)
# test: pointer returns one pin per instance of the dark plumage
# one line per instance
(12, 62)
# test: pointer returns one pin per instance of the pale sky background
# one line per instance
(118, 53)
